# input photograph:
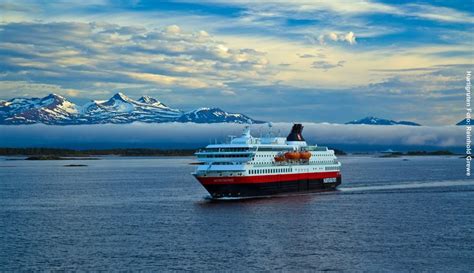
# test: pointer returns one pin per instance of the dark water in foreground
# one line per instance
(150, 214)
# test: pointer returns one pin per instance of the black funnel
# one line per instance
(295, 134)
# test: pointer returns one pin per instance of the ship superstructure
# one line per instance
(250, 166)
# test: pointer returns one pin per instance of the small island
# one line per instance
(55, 157)
(338, 152)
(418, 153)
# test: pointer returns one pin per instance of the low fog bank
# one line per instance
(190, 135)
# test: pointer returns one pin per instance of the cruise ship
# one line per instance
(250, 166)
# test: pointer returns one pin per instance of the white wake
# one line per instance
(414, 185)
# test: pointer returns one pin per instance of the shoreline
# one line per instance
(96, 154)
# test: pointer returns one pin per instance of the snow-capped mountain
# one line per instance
(379, 121)
(122, 109)
(52, 109)
(57, 110)
(215, 115)
(462, 122)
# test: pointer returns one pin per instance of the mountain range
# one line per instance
(57, 110)
(379, 121)
(119, 109)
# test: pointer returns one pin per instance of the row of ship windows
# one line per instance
(260, 163)
(213, 150)
(324, 162)
(332, 168)
(227, 163)
(263, 171)
(228, 155)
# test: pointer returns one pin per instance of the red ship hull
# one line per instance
(264, 185)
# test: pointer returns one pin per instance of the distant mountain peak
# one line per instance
(51, 109)
(150, 100)
(462, 122)
(54, 96)
(216, 115)
(121, 96)
(371, 120)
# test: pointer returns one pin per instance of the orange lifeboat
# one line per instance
(280, 158)
(305, 155)
(292, 155)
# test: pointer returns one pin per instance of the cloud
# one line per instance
(82, 56)
(436, 13)
(273, 8)
(177, 135)
(434, 81)
(305, 56)
(166, 80)
(10, 89)
(309, 56)
(308, 9)
(348, 37)
(326, 65)
(173, 29)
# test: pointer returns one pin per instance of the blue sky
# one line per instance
(296, 60)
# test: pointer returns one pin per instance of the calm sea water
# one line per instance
(150, 214)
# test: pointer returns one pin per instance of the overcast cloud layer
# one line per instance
(190, 135)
